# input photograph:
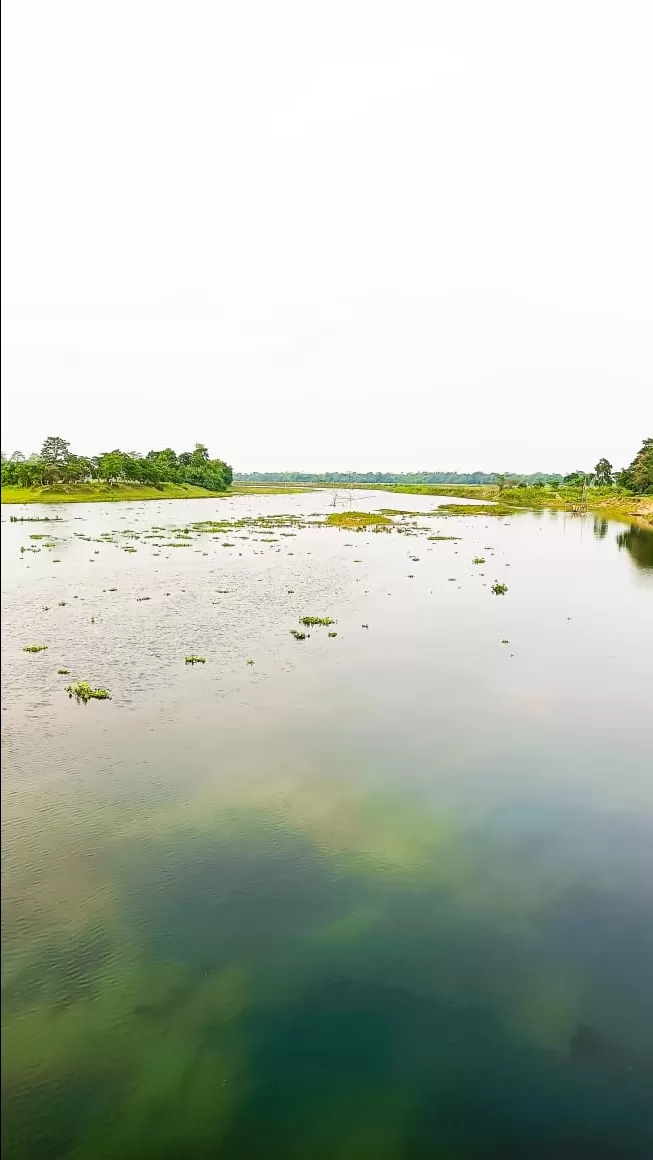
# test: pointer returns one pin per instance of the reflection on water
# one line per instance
(387, 895)
(639, 543)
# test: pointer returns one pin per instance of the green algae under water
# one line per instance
(383, 897)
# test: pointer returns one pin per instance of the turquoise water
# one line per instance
(382, 895)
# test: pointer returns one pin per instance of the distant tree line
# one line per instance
(56, 464)
(409, 477)
(637, 478)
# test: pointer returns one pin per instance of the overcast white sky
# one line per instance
(341, 235)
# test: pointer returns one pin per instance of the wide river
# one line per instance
(385, 893)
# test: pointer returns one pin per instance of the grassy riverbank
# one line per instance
(103, 493)
(603, 501)
(115, 493)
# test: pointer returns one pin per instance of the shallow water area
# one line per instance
(381, 894)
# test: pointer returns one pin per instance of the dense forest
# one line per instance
(57, 465)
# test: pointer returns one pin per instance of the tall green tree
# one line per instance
(55, 450)
(603, 476)
(110, 466)
(638, 477)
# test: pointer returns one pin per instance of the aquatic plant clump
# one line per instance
(311, 621)
(297, 634)
(499, 589)
(193, 660)
(357, 520)
(478, 560)
(35, 648)
(82, 691)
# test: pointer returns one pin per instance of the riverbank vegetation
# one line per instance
(56, 475)
(93, 492)
(57, 470)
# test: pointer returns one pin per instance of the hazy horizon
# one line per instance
(379, 235)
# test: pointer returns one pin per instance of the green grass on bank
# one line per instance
(603, 500)
(114, 493)
(103, 493)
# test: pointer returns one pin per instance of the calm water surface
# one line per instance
(386, 895)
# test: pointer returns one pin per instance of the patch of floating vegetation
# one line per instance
(128, 548)
(193, 660)
(478, 560)
(35, 520)
(475, 509)
(63, 672)
(499, 589)
(82, 691)
(139, 599)
(332, 633)
(310, 621)
(398, 512)
(35, 648)
(297, 634)
(250, 661)
(358, 520)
